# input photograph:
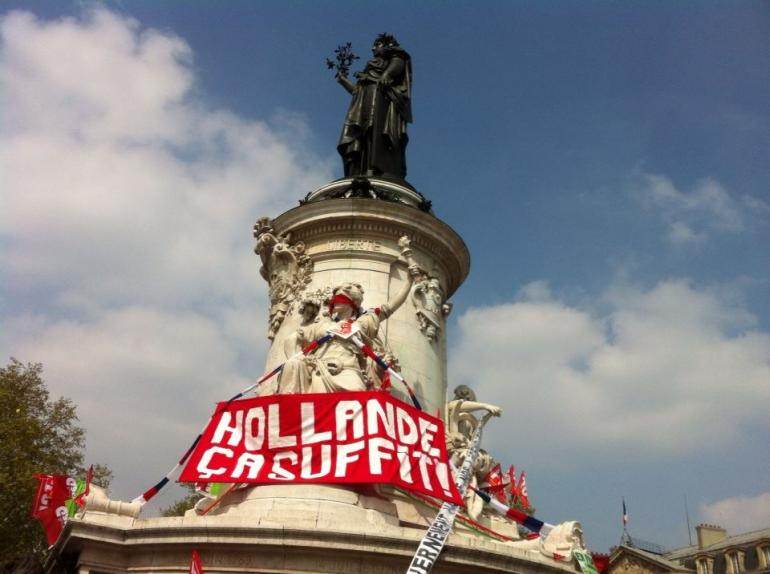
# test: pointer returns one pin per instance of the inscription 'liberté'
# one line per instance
(359, 437)
(355, 245)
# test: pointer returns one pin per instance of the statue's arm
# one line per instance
(470, 406)
(398, 299)
(413, 271)
(346, 83)
(395, 69)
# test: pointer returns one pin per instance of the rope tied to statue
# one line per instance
(148, 494)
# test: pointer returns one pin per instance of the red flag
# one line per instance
(601, 561)
(512, 483)
(49, 506)
(493, 482)
(522, 488)
(80, 499)
(195, 563)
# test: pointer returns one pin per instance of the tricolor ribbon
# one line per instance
(527, 521)
(148, 494)
(434, 539)
(369, 352)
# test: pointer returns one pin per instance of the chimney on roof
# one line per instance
(709, 534)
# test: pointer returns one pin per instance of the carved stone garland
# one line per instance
(285, 267)
(429, 298)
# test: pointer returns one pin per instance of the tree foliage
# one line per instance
(182, 505)
(37, 435)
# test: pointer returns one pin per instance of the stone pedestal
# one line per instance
(272, 532)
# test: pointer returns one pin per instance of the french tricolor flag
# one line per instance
(625, 513)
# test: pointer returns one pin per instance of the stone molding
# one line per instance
(156, 544)
(335, 218)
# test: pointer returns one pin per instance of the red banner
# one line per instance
(355, 437)
(49, 506)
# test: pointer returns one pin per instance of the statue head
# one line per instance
(308, 309)
(464, 393)
(383, 44)
(346, 300)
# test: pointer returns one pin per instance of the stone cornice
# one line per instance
(351, 217)
(487, 555)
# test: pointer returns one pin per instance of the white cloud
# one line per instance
(663, 371)
(126, 227)
(692, 215)
(680, 233)
(739, 513)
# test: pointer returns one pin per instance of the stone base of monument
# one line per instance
(284, 529)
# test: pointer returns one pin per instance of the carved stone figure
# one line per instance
(459, 412)
(339, 364)
(373, 140)
(310, 305)
(561, 541)
(461, 424)
(285, 267)
(429, 299)
(97, 501)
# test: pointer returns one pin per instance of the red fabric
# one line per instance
(522, 490)
(348, 437)
(517, 515)
(48, 507)
(494, 483)
(385, 382)
(195, 563)
(601, 561)
(512, 481)
(342, 299)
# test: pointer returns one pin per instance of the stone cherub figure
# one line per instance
(373, 140)
(339, 364)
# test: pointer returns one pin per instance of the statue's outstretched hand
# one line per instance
(495, 411)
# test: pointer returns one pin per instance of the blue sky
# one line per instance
(606, 163)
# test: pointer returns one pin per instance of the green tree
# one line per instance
(37, 435)
(182, 505)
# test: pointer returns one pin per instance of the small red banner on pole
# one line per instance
(356, 437)
(195, 563)
(49, 506)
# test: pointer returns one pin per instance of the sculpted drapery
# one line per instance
(373, 140)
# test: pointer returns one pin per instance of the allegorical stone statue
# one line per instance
(373, 140)
(339, 364)
(461, 424)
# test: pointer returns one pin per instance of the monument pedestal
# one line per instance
(281, 529)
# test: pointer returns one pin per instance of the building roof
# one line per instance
(736, 540)
(649, 557)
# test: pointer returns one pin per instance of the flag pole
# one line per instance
(625, 538)
(687, 516)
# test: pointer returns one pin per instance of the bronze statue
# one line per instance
(373, 140)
